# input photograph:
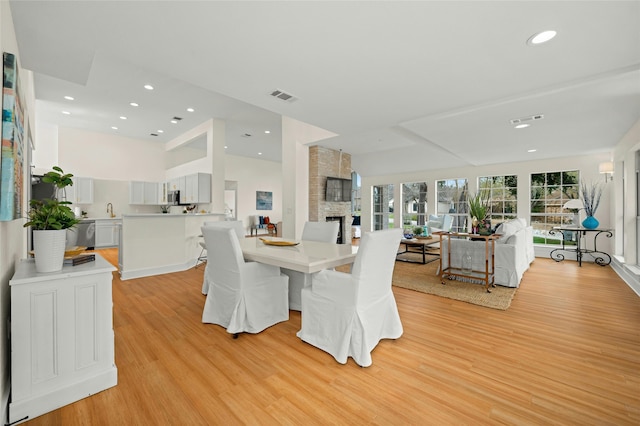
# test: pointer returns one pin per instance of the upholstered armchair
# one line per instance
(440, 223)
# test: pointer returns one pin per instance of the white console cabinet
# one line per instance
(62, 340)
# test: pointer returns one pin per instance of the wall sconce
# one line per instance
(606, 168)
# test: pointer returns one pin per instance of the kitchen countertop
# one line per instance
(99, 218)
(171, 214)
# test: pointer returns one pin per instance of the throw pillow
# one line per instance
(507, 229)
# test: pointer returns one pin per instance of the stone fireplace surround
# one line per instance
(325, 162)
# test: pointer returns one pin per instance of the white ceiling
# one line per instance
(396, 81)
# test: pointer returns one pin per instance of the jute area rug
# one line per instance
(423, 278)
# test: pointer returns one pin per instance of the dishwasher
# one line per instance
(86, 230)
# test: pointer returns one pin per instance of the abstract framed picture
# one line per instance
(264, 200)
(12, 151)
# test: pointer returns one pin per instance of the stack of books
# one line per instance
(79, 259)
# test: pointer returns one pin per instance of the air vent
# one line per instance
(246, 135)
(283, 96)
(525, 119)
(153, 134)
(177, 118)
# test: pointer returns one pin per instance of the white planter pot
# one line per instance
(48, 249)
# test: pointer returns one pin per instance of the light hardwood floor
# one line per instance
(566, 352)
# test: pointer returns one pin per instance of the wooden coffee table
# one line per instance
(426, 246)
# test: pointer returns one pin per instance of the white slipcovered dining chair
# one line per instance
(237, 226)
(324, 232)
(347, 315)
(243, 296)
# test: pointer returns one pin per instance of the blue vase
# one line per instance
(590, 222)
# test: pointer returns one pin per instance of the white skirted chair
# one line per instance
(243, 296)
(324, 232)
(347, 315)
(237, 226)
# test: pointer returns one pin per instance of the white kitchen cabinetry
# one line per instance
(143, 193)
(81, 192)
(62, 340)
(107, 233)
(177, 184)
(197, 189)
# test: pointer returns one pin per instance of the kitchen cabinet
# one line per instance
(144, 193)
(107, 233)
(62, 339)
(81, 192)
(197, 189)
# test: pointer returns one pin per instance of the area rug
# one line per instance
(423, 278)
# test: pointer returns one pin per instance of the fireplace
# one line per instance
(339, 219)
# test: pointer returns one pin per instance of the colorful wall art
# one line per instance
(264, 200)
(12, 153)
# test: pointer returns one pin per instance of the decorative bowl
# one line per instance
(74, 251)
(408, 236)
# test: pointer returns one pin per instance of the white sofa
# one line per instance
(513, 252)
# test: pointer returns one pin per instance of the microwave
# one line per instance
(173, 198)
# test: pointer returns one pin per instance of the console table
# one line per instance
(580, 249)
(487, 276)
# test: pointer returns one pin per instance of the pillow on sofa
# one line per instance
(507, 229)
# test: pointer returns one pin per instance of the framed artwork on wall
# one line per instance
(264, 200)
(12, 152)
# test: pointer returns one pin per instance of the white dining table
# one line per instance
(298, 261)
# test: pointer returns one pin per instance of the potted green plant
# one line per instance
(49, 219)
(479, 207)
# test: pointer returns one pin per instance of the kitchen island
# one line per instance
(154, 244)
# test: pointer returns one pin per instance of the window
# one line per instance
(382, 207)
(549, 192)
(452, 199)
(414, 204)
(503, 197)
(356, 194)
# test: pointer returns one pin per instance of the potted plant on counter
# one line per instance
(49, 219)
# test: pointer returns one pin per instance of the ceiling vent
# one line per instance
(283, 96)
(177, 118)
(153, 134)
(525, 119)
(246, 135)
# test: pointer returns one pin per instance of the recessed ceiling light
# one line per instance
(267, 131)
(148, 87)
(174, 121)
(522, 126)
(122, 117)
(160, 131)
(66, 112)
(259, 153)
(69, 98)
(133, 104)
(541, 37)
(531, 150)
(225, 147)
(114, 127)
(190, 109)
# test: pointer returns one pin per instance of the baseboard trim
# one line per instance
(148, 272)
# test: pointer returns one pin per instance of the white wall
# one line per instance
(13, 237)
(255, 175)
(109, 156)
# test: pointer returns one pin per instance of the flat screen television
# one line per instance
(338, 189)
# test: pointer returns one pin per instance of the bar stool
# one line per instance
(203, 256)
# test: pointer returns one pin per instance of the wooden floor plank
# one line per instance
(567, 351)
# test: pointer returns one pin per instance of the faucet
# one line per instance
(110, 210)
